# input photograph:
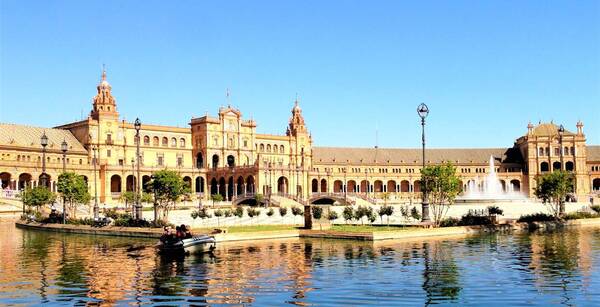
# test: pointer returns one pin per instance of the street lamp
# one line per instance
(423, 111)
(561, 131)
(138, 208)
(63, 148)
(44, 176)
(96, 209)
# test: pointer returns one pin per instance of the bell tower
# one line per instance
(296, 125)
(105, 104)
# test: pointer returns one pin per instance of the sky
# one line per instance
(359, 68)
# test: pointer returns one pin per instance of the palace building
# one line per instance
(224, 155)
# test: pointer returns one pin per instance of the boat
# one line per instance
(194, 245)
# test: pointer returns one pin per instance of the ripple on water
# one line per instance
(511, 269)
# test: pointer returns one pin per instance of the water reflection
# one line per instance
(518, 269)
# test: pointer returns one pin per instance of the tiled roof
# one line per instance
(548, 129)
(27, 136)
(400, 156)
(593, 152)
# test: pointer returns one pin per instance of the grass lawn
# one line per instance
(369, 228)
(253, 228)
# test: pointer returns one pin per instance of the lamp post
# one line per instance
(423, 111)
(96, 209)
(561, 131)
(63, 148)
(138, 208)
(44, 176)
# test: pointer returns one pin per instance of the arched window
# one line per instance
(215, 161)
(173, 142)
(569, 166)
(275, 149)
(182, 142)
(281, 149)
(155, 141)
(262, 147)
(146, 140)
(165, 142)
(230, 161)
(544, 167)
(268, 147)
(540, 151)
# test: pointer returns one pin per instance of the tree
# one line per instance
(348, 214)
(167, 186)
(216, 198)
(74, 190)
(259, 198)
(270, 212)
(37, 197)
(552, 188)
(385, 210)
(128, 197)
(332, 215)
(442, 186)
(297, 211)
(317, 212)
(282, 212)
(218, 213)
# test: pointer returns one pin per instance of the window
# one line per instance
(245, 143)
(182, 142)
(155, 141)
(269, 148)
(275, 149)
(179, 160)
(146, 140)
(215, 141)
(108, 152)
(572, 151)
(80, 161)
(262, 147)
(557, 151)
(281, 149)
(120, 162)
(173, 142)
(160, 160)
(108, 138)
(540, 151)
(165, 142)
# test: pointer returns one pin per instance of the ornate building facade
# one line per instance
(224, 155)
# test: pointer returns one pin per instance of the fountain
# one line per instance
(489, 189)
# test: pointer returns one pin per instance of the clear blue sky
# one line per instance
(485, 68)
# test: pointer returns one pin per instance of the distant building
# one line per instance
(224, 155)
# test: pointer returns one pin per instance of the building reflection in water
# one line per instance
(39, 268)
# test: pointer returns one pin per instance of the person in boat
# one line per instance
(188, 231)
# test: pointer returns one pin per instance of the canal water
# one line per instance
(541, 268)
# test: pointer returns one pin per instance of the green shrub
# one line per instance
(282, 211)
(332, 215)
(536, 217)
(596, 208)
(218, 213)
(348, 213)
(270, 212)
(227, 213)
(495, 210)
(297, 211)
(449, 222)
(216, 197)
(130, 222)
(317, 212)
(580, 215)
(239, 212)
(252, 212)
(470, 219)
(414, 213)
